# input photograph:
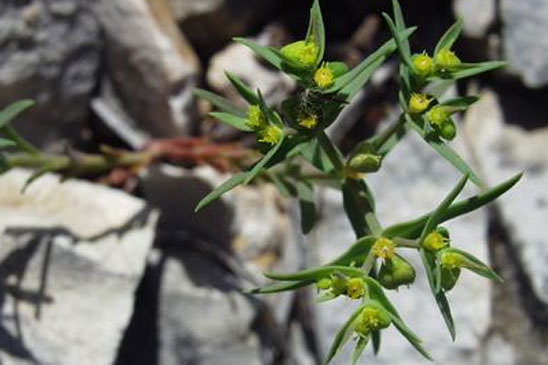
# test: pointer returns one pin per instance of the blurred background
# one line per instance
(117, 269)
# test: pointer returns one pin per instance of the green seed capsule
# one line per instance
(339, 284)
(324, 284)
(396, 272)
(449, 278)
(365, 162)
(448, 130)
(419, 103)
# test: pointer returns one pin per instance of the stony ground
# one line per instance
(94, 275)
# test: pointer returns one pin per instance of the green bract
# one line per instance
(295, 134)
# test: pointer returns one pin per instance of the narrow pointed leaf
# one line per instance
(400, 42)
(220, 190)
(469, 70)
(437, 214)
(412, 229)
(353, 87)
(410, 336)
(305, 193)
(6, 143)
(356, 253)
(477, 266)
(267, 53)
(460, 104)
(232, 120)
(449, 38)
(315, 274)
(256, 170)
(343, 335)
(359, 204)
(376, 340)
(13, 110)
(313, 153)
(358, 350)
(429, 264)
(219, 102)
(243, 89)
(383, 52)
(280, 287)
(400, 25)
(316, 30)
(446, 152)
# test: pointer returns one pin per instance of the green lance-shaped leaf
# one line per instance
(460, 104)
(466, 70)
(365, 66)
(220, 190)
(360, 346)
(473, 264)
(232, 120)
(437, 215)
(429, 263)
(315, 274)
(259, 166)
(401, 43)
(355, 254)
(449, 38)
(267, 53)
(219, 102)
(305, 193)
(359, 205)
(344, 334)
(412, 229)
(9, 113)
(376, 340)
(313, 153)
(281, 287)
(445, 151)
(351, 89)
(316, 30)
(6, 143)
(244, 91)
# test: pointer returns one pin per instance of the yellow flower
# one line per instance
(384, 248)
(323, 77)
(308, 121)
(255, 118)
(302, 53)
(451, 260)
(437, 116)
(270, 134)
(355, 288)
(434, 242)
(372, 319)
(446, 60)
(418, 103)
(423, 65)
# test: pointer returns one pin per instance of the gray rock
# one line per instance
(526, 51)
(97, 240)
(50, 53)
(183, 9)
(477, 16)
(413, 181)
(502, 151)
(151, 65)
(240, 60)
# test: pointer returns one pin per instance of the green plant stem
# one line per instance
(407, 243)
(21, 142)
(332, 153)
(385, 135)
(81, 164)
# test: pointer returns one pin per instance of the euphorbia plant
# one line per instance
(296, 133)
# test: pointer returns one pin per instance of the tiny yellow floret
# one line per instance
(423, 65)
(270, 134)
(434, 242)
(255, 118)
(372, 319)
(308, 121)
(418, 103)
(437, 116)
(355, 288)
(301, 53)
(324, 284)
(384, 248)
(323, 77)
(451, 260)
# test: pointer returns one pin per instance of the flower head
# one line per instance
(372, 319)
(355, 288)
(437, 116)
(418, 103)
(270, 134)
(323, 77)
(302, 53)
(435, 242)
(309, 121)
(384, 248)
(423, 65)
(446, 60)
(255, 118)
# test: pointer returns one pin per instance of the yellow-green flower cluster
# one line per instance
(372, 318)
(384, 248)
(324, 78)
(266, 133)
(434, 241)
(303, 54)
(418, 103)
(338, 284)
